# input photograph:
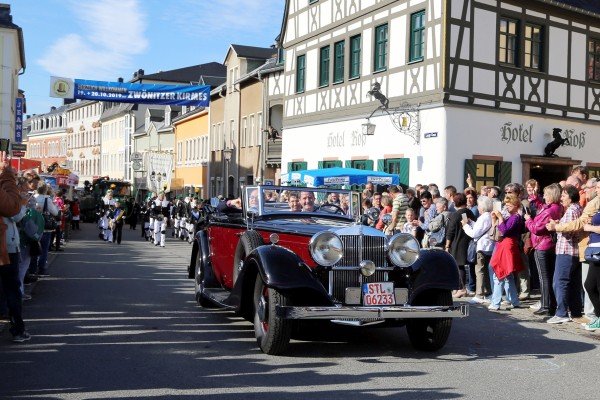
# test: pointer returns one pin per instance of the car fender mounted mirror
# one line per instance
(214, 202)
(387, 219)
(251, 214)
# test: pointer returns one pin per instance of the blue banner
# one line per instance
(143, 93)
(18, 120)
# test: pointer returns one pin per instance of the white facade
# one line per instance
(11, 46)
(114, 144)
(485, 108)
(84, 140)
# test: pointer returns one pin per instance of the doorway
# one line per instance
(546, 170)
(548, 174)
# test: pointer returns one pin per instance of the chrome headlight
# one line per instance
(403, 250)
(326, 248)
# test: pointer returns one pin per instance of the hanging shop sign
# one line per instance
(124, 92)
(18, 119)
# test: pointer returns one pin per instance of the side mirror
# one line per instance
(387, 218)
(251, 214)
(214, 202)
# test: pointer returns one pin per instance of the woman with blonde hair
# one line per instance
(507, 257)
(544, 251)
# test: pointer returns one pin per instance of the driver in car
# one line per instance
(294, 202)
(307, 201)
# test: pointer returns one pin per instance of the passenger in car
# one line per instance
(307, 200)
(294, 202)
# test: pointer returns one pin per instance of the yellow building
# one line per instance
(191, 153)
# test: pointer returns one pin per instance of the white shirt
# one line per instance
(479, 231)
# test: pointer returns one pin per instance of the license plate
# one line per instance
(378, 294)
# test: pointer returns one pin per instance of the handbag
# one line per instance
(495, 234)
(472, 251)
(50, 223)
(592, 255)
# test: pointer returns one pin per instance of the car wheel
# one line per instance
(272, 332)
(430, 334)
(248, 242)
(198, 283)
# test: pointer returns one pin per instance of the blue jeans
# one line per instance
(45, 243)
(507, 284)
(9, 277)
(567, 286)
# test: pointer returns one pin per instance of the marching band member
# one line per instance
(194, 218)
(151, 215)
(117, 217)
(107, 203)
(161, 212)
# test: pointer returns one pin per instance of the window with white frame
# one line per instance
(244, 138)
(179, 151)
(253, 141)
(259, 127)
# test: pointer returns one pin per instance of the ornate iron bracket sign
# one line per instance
(405, 118)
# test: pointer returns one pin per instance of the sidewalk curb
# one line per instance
(28, 290)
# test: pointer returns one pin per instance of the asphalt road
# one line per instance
(120, 322)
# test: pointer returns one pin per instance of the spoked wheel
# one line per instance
(199, 285)
(430, 334)
(272, 332)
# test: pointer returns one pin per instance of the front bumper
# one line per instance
(387, 312)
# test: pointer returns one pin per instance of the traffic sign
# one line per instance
(136, 165)
(136, 156)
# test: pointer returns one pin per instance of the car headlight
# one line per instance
(326, 248)
(403, 250)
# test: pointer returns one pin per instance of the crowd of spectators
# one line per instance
(502, 238)
(35, 220)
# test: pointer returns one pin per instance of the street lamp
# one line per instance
(227, 157)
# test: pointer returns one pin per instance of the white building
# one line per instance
(84, 139)
(474, 86)
(12, 56)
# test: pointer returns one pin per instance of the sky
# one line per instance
(107, 39)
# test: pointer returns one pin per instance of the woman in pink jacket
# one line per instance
(544, 246)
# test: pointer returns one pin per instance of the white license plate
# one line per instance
(378, 294)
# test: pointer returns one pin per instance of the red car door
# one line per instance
(223, 241)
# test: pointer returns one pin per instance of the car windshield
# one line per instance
(265, 200)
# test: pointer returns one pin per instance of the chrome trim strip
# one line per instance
(403, 312)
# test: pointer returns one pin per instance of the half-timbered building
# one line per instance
(464, 86)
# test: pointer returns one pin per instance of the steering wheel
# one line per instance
(331, 208)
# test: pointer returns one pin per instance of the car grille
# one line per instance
(342, 279)
(373, 248)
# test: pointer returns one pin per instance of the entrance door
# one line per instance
(548, 174)
(546, 170)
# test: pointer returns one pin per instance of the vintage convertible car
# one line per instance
(295, 254)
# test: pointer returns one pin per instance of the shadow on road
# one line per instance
(120, 322)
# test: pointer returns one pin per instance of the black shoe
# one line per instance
(542, 312)
(59, 250)
(29, 278)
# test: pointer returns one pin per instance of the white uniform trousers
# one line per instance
(160, 228)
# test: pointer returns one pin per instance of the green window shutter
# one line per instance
(290, 167)
(338, 163)
(381, 165)
(355, 47)
(324, 67)
(300, 73)
(348, 163)
(505, 173)
(404, 174)
(338, 61)
(471, 168)
(303, 165)
(319, 164)
(417, 35)
(369, 165)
